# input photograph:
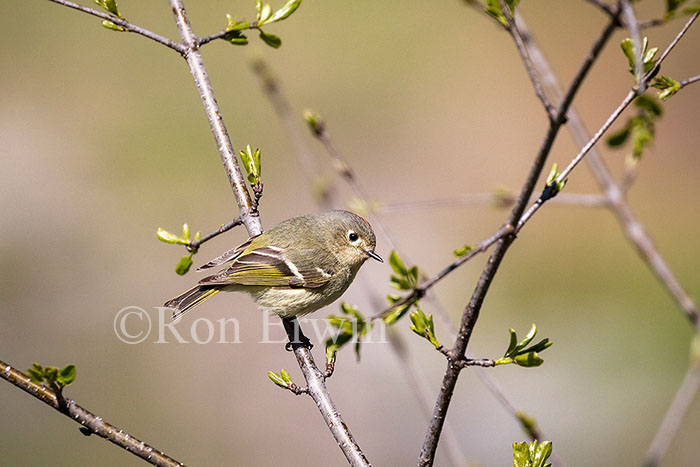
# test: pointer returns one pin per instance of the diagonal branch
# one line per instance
(522, 50)
(179, 48)
(90, 422)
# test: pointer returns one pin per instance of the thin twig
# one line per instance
(423, 287)
(522, 50)
(90, 422)
(603, 6)
(674, 416)
(179, 48)
(206, 93)
(688, 81)
(498, 200)
(194, 246)
(673, 43)
(316, 388)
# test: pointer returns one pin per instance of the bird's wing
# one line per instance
(271, 266)
(226, 257)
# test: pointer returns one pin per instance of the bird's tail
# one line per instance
(188, 300)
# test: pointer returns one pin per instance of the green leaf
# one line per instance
(110, 6)
(35, 376)
(277, 379)
(530, 335)
(235, 25)
(668, 87)
(66, 375)
(284, 12)
(650, 104)
(185, 231)
(112, 26)
(619, 137)
(50, 374)
(463, 251)
(396, 264)
(395, 314)
(285, 376)
(251, 163)
(513, 343)
(184, 265)
(528, 360)
(521, 455)
(167, 237)
(671, 6)
(264, 11)
(270, 39)
(331, 351)
(542, 452)
(315, 122)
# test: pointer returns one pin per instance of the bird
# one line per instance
(295, 268)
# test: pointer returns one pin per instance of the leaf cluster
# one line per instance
(423, 326)
(352, 326)
(673, 8)
(531, 454)
(52, 377)
(639, 128)
(403, 278)
(522, 355)
(111, 7)
(183, 266)
(265, 15)
(493, 8)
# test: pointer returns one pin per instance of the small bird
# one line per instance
(293, 269)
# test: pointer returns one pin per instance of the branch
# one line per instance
(206, 93)
(471, 312)
(632, 227)
(674, 416)
(688, 81)
(522, 50)
(194, 246)
(499, 200)
(89, 421)
(179, 48)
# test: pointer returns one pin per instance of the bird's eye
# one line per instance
(353, 236)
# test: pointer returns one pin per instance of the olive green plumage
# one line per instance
(295, 268)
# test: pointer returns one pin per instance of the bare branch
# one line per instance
(603, 6)
(522, 50)
(228, 156)
(674, 416)
(688, 81)
(179, 48)
(194, 246)
(91, 423)
(498, 200)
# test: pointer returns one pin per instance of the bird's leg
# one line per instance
(296, 337)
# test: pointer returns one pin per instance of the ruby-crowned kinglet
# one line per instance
(295, 268)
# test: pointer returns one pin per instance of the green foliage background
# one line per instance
(104, 140)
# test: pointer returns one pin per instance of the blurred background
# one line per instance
(104, 140)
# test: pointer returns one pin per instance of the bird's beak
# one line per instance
(373, 255)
